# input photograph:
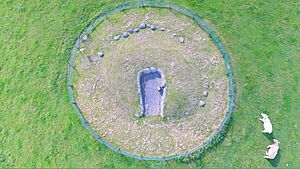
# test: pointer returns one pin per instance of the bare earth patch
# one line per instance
(107, 92)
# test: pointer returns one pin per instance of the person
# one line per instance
(161, 88)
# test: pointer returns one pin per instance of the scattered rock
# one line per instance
(196, 101)
(117, 37)
(153, 27)
(84, 37)
(100, 54)
(90, 58)
(206, 85)
(201, 103)
(131, 31)
(205, 93)
(125, 35)
(192, 101)
(181, 40)
(143, 26)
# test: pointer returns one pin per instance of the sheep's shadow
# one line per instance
(276, 160)
(269, 136)
(197, 157)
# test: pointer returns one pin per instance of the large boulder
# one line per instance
(201, 103)
(125, 35)
(100, 54)
(143, 26)
(117, 37)
(153, 27)
(130, 31)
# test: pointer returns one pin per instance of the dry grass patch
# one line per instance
(107, 89)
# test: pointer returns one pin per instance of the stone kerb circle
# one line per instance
(126, 6)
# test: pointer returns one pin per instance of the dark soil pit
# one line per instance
(152, 91)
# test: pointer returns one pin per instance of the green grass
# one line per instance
(40, 129)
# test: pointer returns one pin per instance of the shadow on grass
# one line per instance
(270, 136)
(276, 160)
(216, 142)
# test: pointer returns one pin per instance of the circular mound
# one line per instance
(108, 62)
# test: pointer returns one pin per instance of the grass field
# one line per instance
(40, 129)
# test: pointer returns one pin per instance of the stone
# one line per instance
(84, 37)
(136, 30)
(130, 31)
(181, 39)
(125, 35)
(117, 37)
(90, 59)
(100, 54)
(143, 26)
(205, 93)
(201, 103)
(153, 27)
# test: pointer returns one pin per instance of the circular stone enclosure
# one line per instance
(105, 91)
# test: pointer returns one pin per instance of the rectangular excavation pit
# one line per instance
(152, 91)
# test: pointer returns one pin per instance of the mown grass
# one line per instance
(39, 128)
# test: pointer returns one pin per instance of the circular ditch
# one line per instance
(154, 118)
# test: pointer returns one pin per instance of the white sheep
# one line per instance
(273, 149)
(267, 124)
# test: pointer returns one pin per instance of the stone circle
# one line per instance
(107, 91)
